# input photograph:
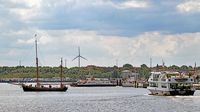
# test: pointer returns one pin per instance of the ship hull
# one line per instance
(128, 85)
(43, 89)
(94, 85)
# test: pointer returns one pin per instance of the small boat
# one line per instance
(94, 82)
(41, 88)
(170, 84)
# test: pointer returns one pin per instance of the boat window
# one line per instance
(163, 78)
(164, 85)
(155, 77)
(153, 84)
(181, 86)
(173, 86)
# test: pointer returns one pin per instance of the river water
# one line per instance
(102, 99)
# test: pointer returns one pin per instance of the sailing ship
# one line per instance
(40, 88)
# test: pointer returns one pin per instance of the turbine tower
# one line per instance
(79, 57)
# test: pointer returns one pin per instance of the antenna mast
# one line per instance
(20, 63)
(150, 63)
(65, 63)
(117, 62)
(195, 66)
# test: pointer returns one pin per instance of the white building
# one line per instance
(127, 74)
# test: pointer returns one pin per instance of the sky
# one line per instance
(109, 32)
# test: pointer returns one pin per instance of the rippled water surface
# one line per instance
(102, 99)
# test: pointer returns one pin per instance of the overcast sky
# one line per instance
(130, 31)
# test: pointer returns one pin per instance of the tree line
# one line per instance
(83, 72)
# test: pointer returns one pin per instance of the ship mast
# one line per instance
(37, 69)
(61, 73)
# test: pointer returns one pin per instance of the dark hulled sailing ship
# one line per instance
(40, 88)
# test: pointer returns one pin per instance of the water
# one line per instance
(110, 99)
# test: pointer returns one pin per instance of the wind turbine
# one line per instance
(79, 57)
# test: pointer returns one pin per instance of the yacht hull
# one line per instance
(172, 93)
(186, 93)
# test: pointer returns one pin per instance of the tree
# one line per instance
(143, 66)
(115, 74)
(190, 68)
(197, 78)
(127, 66)
(184, 67)
(144, 71)
(174, 67)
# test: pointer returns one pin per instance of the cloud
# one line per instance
(132, 4)
(128, 30)
(43, 38)
(103, 50)
(27, 10)
(189, 6)
(109, 17)
(30, 41)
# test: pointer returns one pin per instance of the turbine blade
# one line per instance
(75, 58)
(83, 57)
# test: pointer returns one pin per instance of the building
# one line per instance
(127, 74)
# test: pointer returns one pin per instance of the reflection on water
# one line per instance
(110, 99)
